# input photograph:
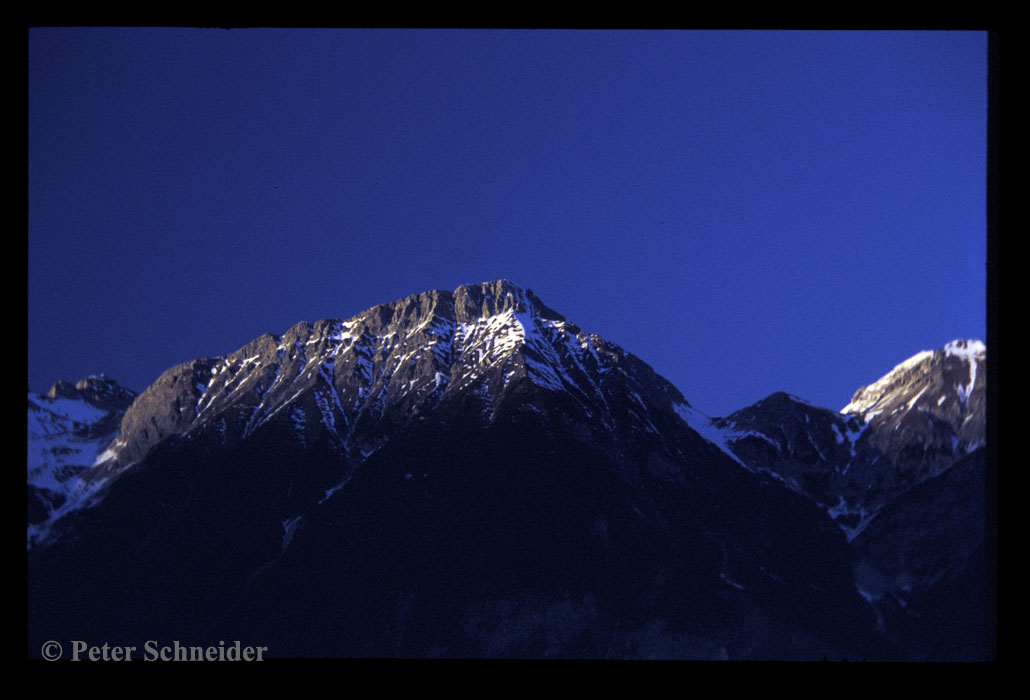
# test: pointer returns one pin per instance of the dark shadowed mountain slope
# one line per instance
(457, 539)
(921, 563)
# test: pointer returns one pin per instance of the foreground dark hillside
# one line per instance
(458, 542)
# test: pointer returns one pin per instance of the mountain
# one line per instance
(348, 385)
(907, 427)
(462, 474)
(68, 427)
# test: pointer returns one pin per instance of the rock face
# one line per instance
(98, 391)
(929, 410)
(465, 473)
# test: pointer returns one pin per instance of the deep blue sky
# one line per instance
(746, 211)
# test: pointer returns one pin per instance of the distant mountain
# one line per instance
(466, 474)
(67, 428)
(909, 426)
(901, 470)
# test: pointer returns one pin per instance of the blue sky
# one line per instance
(747, 212)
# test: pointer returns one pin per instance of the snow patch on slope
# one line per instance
(842, 509)
(289, 527)
(61, 446)
(705, 427)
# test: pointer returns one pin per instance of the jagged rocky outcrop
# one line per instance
(98, 391)
(463, 473)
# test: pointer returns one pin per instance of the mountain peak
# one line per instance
(393, 364)
(932, 403)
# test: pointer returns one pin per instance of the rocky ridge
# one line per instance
(390, 365)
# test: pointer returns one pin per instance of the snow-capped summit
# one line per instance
(944, 386)
(911, 425)
(349, 383)
(966, 347)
